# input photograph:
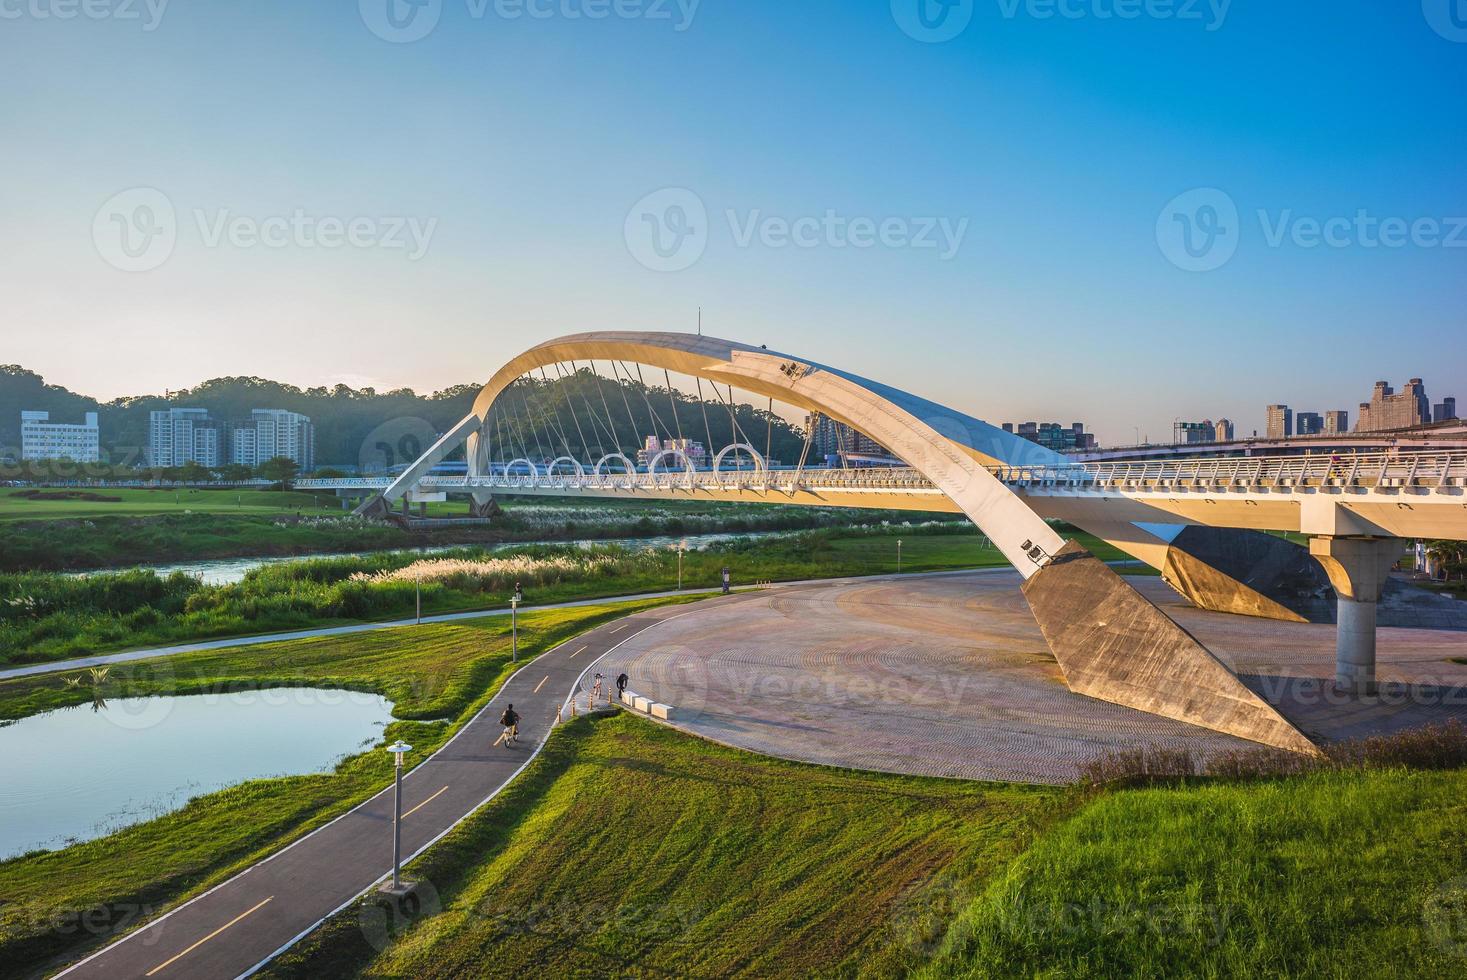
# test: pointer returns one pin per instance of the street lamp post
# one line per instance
(899, 556)
(680, 568)
(514, 629)
(418, 596)
(398, 750)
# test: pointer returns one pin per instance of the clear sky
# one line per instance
(1049, 138)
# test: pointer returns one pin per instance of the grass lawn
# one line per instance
(1341, 874)
(431, 672)
(141, 503)
(877, 554)
(628, 848)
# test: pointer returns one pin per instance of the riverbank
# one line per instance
(47, 617)
(80, 535)
(60, 903)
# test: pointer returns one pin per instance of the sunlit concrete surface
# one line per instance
(949, 676)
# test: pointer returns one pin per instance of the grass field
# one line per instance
(57, 903)
(145, 503)
(629, 849)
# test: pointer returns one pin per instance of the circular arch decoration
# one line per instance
(631, 473)
(550, 470)
(761, 466)
(534, 471)
(688, 468)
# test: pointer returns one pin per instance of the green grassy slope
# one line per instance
(630, 848)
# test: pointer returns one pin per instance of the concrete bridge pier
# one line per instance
(481, 504)
(1358, 569)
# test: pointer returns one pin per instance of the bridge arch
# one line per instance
(689, 470)
(631, 468)
(550, 470)
(1096, 624)
(761, 465)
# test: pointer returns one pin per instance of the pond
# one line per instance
(78, 773)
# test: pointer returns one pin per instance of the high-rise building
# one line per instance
(1280, 421)
(1223, 431)
(270, 433)
(1390, 409)
(1308, 424)
(831, 440)
(1052, 435)
(654, 447)
(1188, 432)
(42, 439)
(179, 436)
(1444, 410)
(1336, 422)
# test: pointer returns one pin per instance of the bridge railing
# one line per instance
(1373, 470)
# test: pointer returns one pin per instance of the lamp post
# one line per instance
(899, 556)
(418, 596)
(398, 750)
(514, 629)
(679, 568)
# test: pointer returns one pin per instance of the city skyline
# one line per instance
(486, 231)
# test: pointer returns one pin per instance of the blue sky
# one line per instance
(520, 148)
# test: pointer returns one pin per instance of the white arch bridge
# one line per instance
(1109, 641)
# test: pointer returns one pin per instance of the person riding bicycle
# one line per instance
(511, 722)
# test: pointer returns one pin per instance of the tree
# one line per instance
(235, 472)
(281, 470)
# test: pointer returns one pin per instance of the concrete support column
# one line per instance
(1358, 569)
(406, 512)
(482, 504)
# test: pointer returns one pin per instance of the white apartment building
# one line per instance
(178, 436)
(272, 432)
(42, 439)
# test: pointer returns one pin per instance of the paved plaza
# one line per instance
(948, 675)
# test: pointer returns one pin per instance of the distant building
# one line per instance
(42, 439)
(270, 433)
(1189, 432)
(1390, 409)
(653, 447)
(1308, 424)
(1336, 422)
(1280, 421)
(179, 436)
(833, 441)
(1052, 435)
(1444, 410)
(1223, 431)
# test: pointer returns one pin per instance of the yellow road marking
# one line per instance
(425, 803)
(540, 685)
(581, 650)
(211, 935)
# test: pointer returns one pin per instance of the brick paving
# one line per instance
(949, 676)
